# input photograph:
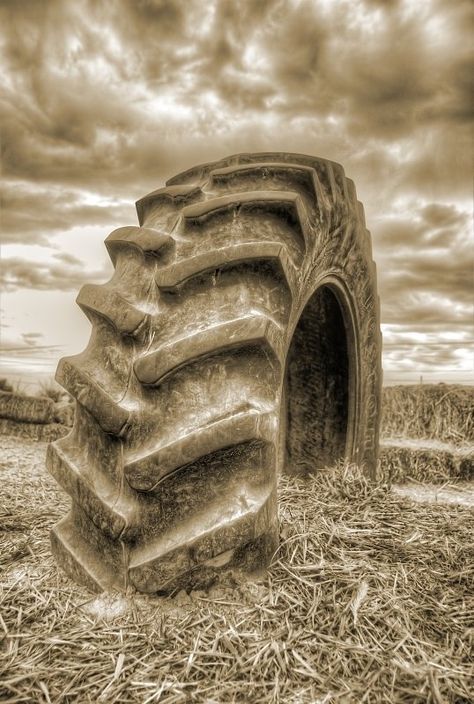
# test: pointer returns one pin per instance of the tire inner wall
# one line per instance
(317, 387)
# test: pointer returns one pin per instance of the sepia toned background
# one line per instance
(102, 101)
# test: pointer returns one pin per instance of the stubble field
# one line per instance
(369, 599)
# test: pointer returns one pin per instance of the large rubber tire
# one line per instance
(243, 310)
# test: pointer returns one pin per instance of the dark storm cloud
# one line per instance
(220, 69)
(68, 274)
(71, 141)
(379, 71)
(423, 356)
(152, 30)
(63, 120)
(111, 98)
(437, 224)
(31, 215)
(439, 165)
(385, 4)
(426, 259)
(76, 110)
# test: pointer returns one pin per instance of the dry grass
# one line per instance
(444, 412)
(429, 433)
(51, 389)
(370, 599)
(5, 385)
(402, 461)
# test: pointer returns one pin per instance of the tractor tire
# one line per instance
(238, 337)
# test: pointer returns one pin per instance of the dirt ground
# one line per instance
(370, 599)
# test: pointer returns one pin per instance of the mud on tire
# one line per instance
(238, 337)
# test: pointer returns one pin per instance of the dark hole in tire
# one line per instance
(316, 398)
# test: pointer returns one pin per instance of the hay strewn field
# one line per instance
(427, 433)
(444, 412)
(370, 599)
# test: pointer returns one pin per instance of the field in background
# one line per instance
(443, 412)
(369, 599)
(427, 433)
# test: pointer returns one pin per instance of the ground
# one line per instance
(370, 599)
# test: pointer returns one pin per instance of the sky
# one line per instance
(102, 101)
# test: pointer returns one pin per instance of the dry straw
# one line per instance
(440, 411)
(369, 599)
(429, 433)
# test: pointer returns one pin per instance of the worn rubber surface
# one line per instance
(194, 374)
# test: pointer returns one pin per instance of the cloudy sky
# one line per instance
(104, 100)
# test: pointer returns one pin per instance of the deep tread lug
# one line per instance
(107, 303)
(146, 240)
(176, 195)
(96, 495)
(286, 203)
(157, 565)
(146, 472)
(253, 329)
(177, 273)
(111, 417)
(265, 169)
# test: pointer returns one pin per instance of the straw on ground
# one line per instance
(370, 599)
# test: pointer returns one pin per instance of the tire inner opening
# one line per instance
(316, 397)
